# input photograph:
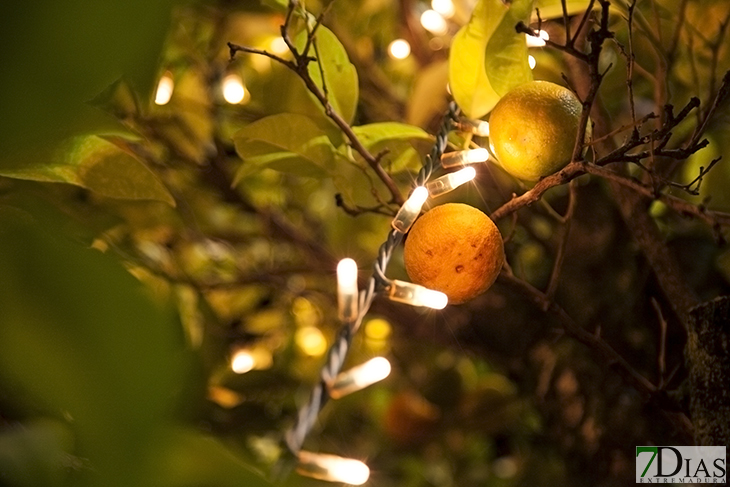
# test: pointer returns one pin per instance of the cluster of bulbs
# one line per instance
(334, 468)
(232, 89)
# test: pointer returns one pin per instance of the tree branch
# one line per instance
(300, 66)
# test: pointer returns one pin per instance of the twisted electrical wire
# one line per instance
(337, 353)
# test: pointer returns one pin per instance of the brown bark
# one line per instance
(708, 358)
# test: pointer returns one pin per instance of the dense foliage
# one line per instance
(143, 245)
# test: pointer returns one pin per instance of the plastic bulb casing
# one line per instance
(451, 181)
(464, 157)
(347, 290)
(479, 128)
(415, 295)
(332, 468)
(410, 209)
(359, 377)
(165, 87)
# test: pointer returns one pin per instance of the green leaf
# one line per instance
(286, 162)
(97, 164)
(399, 139)
(376, 133)
(505, 58)
(191, 459)
(63, 54)
(479, 73)
(286, 142)
(340, 76)
(429, 97)
(81, 340)
(35, 453)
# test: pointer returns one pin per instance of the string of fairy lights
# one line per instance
(353, 304)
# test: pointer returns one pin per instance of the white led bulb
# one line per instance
(410, 210)
(451, 181)
(415, 295)
(461, 158)
(332, 468)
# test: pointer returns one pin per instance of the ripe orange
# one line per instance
(532, 129)
(456, 249)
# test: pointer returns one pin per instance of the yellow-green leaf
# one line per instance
(340, 76)
(286, 142)
(97, 164)
(479, 72)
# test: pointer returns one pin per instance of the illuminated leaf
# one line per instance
(505, 57)
(375, 133)
(97, 164)
(340, 76)
(398, 139)
(286, 142)
(428, 96)
(488, 57)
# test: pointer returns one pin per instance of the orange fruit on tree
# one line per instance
(456, 249)
(532, 129)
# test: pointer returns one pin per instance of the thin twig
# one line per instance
(605, 354)
(560, 254)
(300, 67)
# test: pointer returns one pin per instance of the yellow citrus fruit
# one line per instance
(456, 249)
(532, 129)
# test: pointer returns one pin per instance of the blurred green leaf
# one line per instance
(505, 57)
(340, 76)
(428, 96)
(479, 73)
(59, 55)
(36, 453)
(118, 99)
(95, 163)
(79, 338)
(190, 459)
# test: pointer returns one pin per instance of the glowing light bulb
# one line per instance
(242, 362)
(531, 61)
(332, 468)
(410, 209)
(433, 22)
(347, 290)
(368, 373)
(444, 7)
(451, 181)
(311, 341)
(415, 295)
(377, 329)
(539, 41)
(460, 158)
(278, 46)
(479, 128)
(165, 88)
(399, 49)
(224, 397)
(233, 90)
